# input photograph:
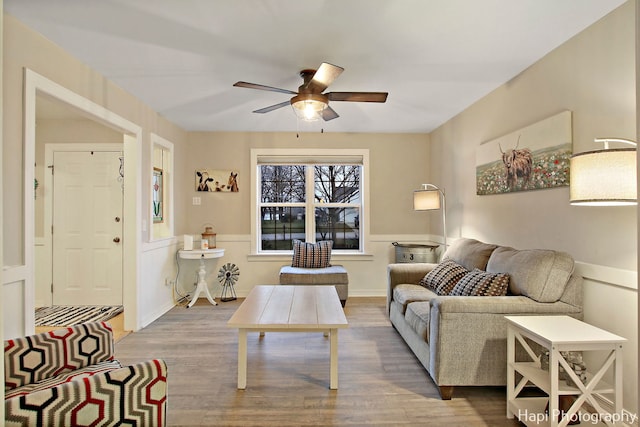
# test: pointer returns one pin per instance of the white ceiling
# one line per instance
(434, 57)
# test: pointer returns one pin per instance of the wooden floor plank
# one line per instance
(381, 382)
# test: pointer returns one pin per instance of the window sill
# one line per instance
(287, 257)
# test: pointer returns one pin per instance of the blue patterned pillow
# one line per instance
(312, 255)
(443, 277)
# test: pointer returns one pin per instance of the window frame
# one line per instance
(165, 229)
(309, 157)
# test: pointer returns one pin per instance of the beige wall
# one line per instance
(397, 167)
(593, 75)
(1, 206)
(26, 48)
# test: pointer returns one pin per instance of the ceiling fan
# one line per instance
(309, 103)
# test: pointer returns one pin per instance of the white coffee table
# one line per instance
(282, 308)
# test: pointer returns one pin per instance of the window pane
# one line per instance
(337, 184)
(282, 184)
(342, 225)
(279, 226)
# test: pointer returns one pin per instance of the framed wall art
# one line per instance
(158, 195)
(211, 180)
(532, 158)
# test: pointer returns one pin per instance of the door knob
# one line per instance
(116, 239)
(117, 219)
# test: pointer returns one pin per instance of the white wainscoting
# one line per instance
(43, 272)
(611, 303)
(157, 268)
(13, 294)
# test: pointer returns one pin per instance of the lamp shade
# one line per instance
(603, 178)
(426, 200)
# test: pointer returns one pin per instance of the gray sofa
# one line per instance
(461, 340)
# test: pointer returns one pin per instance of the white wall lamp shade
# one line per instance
(604, 178)
(429, 199)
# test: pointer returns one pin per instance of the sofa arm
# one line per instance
(405, 273)
(468, 336)
(136, 394)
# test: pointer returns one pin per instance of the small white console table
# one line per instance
(561, 334)
(201, 285)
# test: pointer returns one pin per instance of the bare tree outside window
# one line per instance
(337, 189)
(334, 205)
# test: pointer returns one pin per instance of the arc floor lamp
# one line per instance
(431, 197)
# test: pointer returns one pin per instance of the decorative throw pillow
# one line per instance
(312, 255)
(443, 277)
(480, 283)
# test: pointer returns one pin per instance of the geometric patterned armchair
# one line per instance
(70, 377)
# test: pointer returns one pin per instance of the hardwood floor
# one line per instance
(380, 381)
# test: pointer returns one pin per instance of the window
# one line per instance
(161, 209)
(309, 195)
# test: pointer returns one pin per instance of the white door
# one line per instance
(87, 228)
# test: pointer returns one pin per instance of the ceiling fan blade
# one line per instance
(273, 107)
(329, 114)
(263, 87)
(358, 96)
(325, 75)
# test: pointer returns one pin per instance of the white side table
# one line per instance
(559, 334)
(202, 255)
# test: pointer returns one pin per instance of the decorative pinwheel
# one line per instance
(228, 276)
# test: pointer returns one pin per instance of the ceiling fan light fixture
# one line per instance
(309, 106)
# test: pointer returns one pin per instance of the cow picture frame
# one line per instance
(213, 180)
(532, 158)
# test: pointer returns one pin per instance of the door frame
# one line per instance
(38, 85)
(49, 150)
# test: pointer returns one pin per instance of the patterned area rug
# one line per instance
(63, 315)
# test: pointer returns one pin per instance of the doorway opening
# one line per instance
(37, 88)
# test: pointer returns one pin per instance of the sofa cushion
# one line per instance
(333, 275)
(405, 294)
(76, 375)
(481, 283)
(443, 277)
(417, 317)
(312, 255)
(539, 274)
(469, 253)
(48, 354)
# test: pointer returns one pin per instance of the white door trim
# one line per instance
(35, 85)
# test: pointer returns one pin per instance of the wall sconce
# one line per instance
(429, 198)
(604, 177)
